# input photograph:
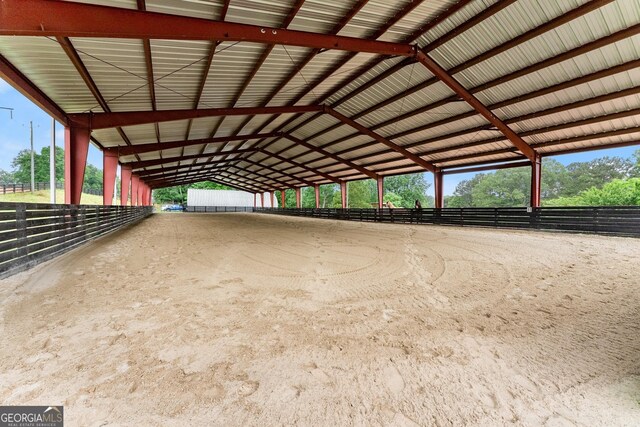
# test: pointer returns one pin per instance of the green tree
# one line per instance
(554, 179)
(6, 177)
(635, 172)
(177, 194)
(21, 165)
(361, 193)
(618, 192)
(92, 178)
(596, 173)
(506, 187)
(463, 194)
(208, 185)
(409, 188)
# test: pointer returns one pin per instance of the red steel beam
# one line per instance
(409, 155)
(217, 180)
(155, 162)
(292, 177)
(306, 60)
(147, 148)
(173, 169)
(553, 110)
(361, 70)
(301, 166)
(567, 17)
(237, 176)
(22, 84)
(149, 65)
(486, 168)
(131, 118)
(365, 68)
(325, 153)
(66, 19)
(178, 174)
(265, 183)
(447, 79)
(75, 59)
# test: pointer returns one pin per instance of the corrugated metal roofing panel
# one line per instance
(268, 13)
(569, 36)
(274, 70)
(177, 69)
(231, 64)
(173, 131)
(600, 109)
(505, 25)
(427, 11)
(108, 137)
(210, 9)
(599, 87)
(117, 67)
(202, 128)
(44, 62)
(320, 16)
(454, 21)
(373, 15)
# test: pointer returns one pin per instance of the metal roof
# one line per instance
(564, 76)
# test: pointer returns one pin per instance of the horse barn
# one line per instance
(523, 316)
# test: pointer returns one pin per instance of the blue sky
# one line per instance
(14, 136)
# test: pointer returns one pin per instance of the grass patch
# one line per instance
(42, 196)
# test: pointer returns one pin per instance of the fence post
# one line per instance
(21, 230)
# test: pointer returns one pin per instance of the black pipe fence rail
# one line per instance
(613, 220)
(31, 233)
(215, 209)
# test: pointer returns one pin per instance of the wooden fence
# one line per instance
(31, 233)
(622, 220)
(25, 188)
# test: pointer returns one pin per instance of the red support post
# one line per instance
(135, 183)
(282, 198)
(76, 148)
(536, 181)
(140, 195)
(109, 169)
(150, 197)
(343, 193)
(317, 191)
(380, 191)
(262, 199)
(438, 185)
(273, 196)
(125, 183)
(298, 198)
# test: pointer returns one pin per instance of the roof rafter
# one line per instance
(131, 118)
(22, 84)
(67, 19)
(325, 153)
(75, 59)
(395, 147)
(156, 162)
(147, 148)
(447, 79)
(207, 67)
(301, 166)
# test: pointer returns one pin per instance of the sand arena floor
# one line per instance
(241, 319)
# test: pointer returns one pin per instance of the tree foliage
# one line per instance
(577, 184)
(21, 165)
